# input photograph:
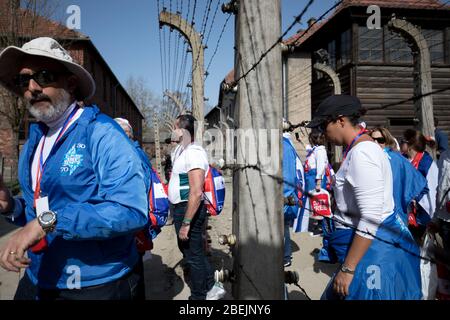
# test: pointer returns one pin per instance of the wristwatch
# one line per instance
(47, 220)
(346, 269)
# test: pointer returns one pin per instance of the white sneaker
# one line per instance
(217, 292)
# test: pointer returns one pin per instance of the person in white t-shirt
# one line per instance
(367, 227)
(189, 168)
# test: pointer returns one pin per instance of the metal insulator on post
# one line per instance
(227, 240)
(224, 275)
(230, 7)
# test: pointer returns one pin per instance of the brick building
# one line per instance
(110, 96)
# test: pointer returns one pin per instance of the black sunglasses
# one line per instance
(380, 140)
(43, 78)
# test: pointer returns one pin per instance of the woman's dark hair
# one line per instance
(317, 138)
(416, 140)
(187, 122)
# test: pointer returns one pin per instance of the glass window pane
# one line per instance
(332, 53)
(346, 48)
(397, 49)
(435, 41)
(370, 44)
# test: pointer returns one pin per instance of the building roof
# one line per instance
(301, 36)
(410, 4)
(229, 79)
(32, 24)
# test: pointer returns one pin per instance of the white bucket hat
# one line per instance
(12, 56)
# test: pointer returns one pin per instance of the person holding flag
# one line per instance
(318, 177)
(424, 209)
(293, 187)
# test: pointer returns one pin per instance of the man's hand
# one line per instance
(342, 283)
(12, 255)
(6, 200)
(183, 233)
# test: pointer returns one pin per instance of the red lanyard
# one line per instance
(360, 133)
(418, 157)
(41, 164)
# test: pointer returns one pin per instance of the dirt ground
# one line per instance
(163, 267)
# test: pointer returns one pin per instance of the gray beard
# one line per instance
(53, 111)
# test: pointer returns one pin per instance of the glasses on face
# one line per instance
(380, 140)
(43, 78)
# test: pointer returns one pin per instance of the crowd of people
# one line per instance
(91, 204)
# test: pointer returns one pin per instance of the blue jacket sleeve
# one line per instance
(120, 176)
(289, 177)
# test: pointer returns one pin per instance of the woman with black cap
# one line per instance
(367, 226)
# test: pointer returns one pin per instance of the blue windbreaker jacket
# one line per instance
(95, 183)
(290, 178)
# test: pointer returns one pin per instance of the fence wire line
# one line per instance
(280, 39)
(281, 180)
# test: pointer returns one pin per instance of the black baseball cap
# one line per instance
(333, 107)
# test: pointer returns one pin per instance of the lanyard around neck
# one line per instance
(350, 146)
(42, 163)
(310, 152)
(417, 158)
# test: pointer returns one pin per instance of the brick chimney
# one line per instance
(311, 21)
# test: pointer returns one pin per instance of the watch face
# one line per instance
(47, 217)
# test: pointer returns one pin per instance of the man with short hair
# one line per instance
(190, 166)
(83, 191)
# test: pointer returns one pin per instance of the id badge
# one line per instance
(41, 205)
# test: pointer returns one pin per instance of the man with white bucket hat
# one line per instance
(83, 191)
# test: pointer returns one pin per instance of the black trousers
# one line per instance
(201, 272)
(125, 288)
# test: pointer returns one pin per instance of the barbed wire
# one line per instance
(280, 39)
(160, 48)
(217, 45)
(212, 23)
(205, 19)
(176, 54)
(281, 180)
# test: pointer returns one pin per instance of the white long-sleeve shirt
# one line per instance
(318, 159)
(363, 189)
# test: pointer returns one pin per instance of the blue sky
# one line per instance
(126, 32)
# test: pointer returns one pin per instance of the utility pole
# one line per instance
(257, 196)
(175, 21)
(157, 147)
(422, 74)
